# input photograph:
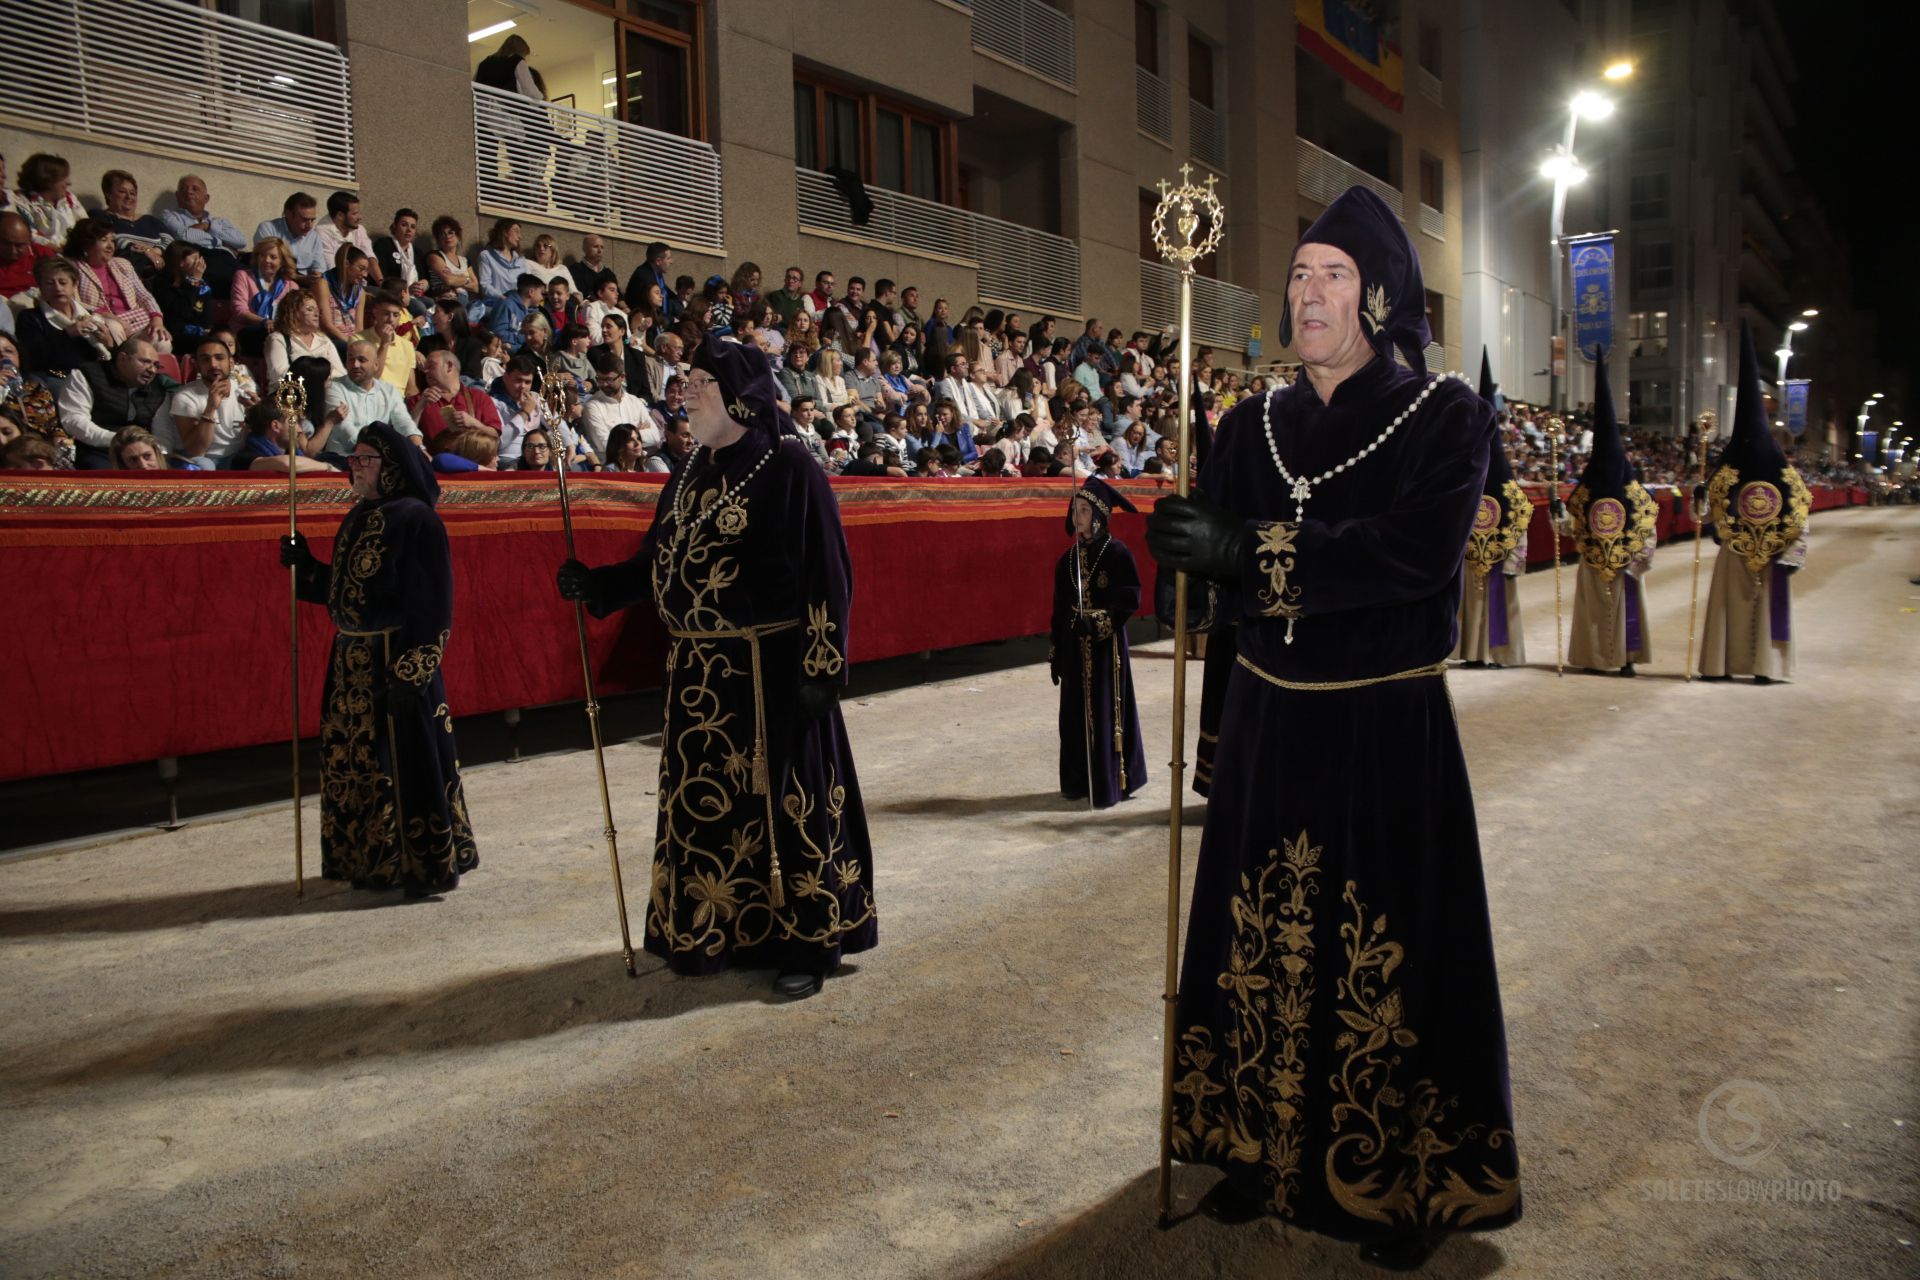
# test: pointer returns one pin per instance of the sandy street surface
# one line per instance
(1691, 885)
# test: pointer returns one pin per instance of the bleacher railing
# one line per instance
(1152, 105)
(1324, 175)
(1207, 130)
(1432, 221)
(1018, 265)
(177, 76)
(551, 162)
(1030, 33)
(1223, 314)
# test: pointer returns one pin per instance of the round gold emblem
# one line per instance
(1101, 582)
(731, 521)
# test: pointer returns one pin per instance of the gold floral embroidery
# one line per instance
(1759, 529)
(822, 659)
(417, 665)
(1374, 1121)
(1270, 984)
(1491, 542)
(1274, 556)
(1377, 309)
(355, 564)
(1615, 539)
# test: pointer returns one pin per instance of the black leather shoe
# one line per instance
(1473, 664)
(1228, 1205)
(1408, 1251)
(1763, 679)
(1628, 671)
(799, 984)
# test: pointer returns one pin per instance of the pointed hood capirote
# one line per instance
(1393, 298)
(1608, 471)
(747, 386)
(1499, 472)
(1104, 499)
(1505, 511)
(1613, 515)
(1757, 502)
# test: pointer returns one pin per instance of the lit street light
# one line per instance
(1565, 170)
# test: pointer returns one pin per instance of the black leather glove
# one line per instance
(1084, 625)
(815, 699)
(1700, 495)
(294, 553)
(397, 698)
(573, 580)
(1194, 535)
(1556, 508)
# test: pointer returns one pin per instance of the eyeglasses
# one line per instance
(697, 385)
(363, 459)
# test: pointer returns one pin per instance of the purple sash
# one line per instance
(1631, 587)
(1781, 607)
(1497, 609)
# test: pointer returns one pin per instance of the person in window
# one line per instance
(219, 241)
(111, 286)
(508, 68)
(446, 267)
(46, 200)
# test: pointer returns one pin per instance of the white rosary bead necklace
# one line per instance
(1301, 487)
(733, 496)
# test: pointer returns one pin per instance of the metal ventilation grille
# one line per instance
(1223, 314)
(1037, 36)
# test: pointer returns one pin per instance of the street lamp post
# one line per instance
(1567, 171)
(1785, 353)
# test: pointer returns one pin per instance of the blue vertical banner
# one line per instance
(1870, 447)
(1797, 406)
(1592, 261)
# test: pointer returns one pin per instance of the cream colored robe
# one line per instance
(1737, 635)
(1475, 623)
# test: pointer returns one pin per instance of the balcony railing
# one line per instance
(174, 75)
(1207, 130)
(1028, 33)
(1436, 357)
(1324, 175)
(1152, 105)
(1430, 86)
(1432, 221)
(1018, 265)
(561, 165)
(1223, 314)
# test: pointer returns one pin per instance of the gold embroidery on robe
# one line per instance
(1386, 1162)
(1759, 523)
(823, 658)
(355, 566)
(1274, 557)
(417, 665)
(1493, 540)
(1620, 536)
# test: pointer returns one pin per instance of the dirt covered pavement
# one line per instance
(1693, 886)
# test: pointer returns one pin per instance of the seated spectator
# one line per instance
(46, 200)
(18, 252)
(994, 463)
(830, 388)
(507, 315)
(501, 264)
(62, 333)
(297, 228)
(1134, 448)
(363, 397)
(873, 460)
(675, 447)
(217, 239)
(341, 227)
(111, 286)
(186, 299)
(624, 451)
(486, 359)
(447, 403)
(1166, 451)
(803, 335)
(616, 339)
(846, 427)
(402, 260)
(446, 268)
(204, 421)
(519, 406)
(140, 238)
(561, 308)
(570, 358)
(101, 398)
(297, 333)
(270, 431)
(795, 378)
(29, 453)
(346, 295)
(136, 449)
(806, 424)
(611, 406)
(891, 440)
(480, 450)
(873, 394)
(544, 261)
(258, 290)
(669, 360)
(956, 432)
(536, 337)
(591, 272)
(789, 300)
(536, 452)
(965, 389)
(606, 302)
(653, 270)
(921, 435)
(396, 351)
(315, 375)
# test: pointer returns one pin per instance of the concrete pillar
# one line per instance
(412, 108)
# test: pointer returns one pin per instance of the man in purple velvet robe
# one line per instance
(1096, 588)
(1341, 1054)
(761, 858)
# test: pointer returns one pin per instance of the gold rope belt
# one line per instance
(1334, 686)
(736, 633)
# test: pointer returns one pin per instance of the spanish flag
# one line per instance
(1340, 34)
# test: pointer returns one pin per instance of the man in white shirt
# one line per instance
(342, 226)
(205, 421)
(612, 405)
(362, 397)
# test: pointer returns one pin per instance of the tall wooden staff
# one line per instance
(1699, 534)
(1553, 496)
(290, 394)
(1192, 204)
(554, 391)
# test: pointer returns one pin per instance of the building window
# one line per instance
(1647, 333)
(1430, 47)
(1653, 264)
(649, 74)
(1653, 126)
(886, 143)
(1200, 71)
(1146, 36)
(1433, 189)
(1437, 315)
(1649, 198)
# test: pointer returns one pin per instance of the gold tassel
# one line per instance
(759, 770)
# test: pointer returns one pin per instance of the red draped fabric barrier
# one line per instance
(148, 613)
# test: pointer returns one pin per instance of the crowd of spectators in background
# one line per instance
(160, 340)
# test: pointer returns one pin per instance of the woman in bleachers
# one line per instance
(446, 266)
(258, 292)
(544, 261)
(111, 286)
(501, 262)
(63, 333)
(186, 299)
(46, 200)
(296, 334)
(802, 335)
(136, 449)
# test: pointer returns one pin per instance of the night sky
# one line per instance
(1853, 153)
